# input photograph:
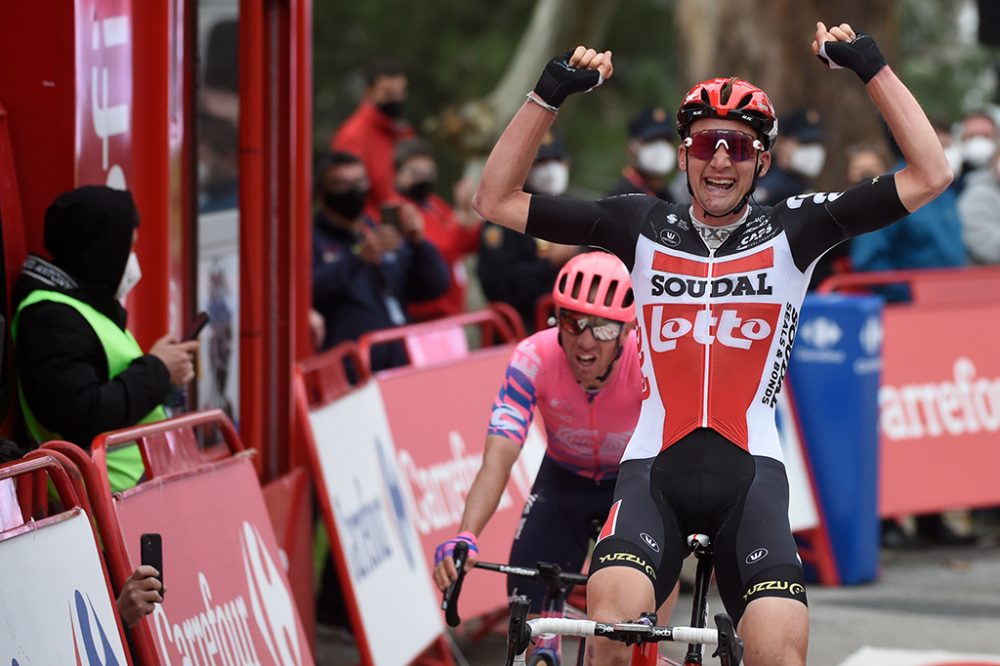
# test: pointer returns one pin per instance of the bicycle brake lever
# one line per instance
(730, 650)
(449, 603)
(518, 632)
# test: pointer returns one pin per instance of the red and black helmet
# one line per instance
(731, 99)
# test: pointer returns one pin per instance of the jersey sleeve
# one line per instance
(611, 224)
(514, 407)
(814, 223)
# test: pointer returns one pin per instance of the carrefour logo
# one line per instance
(821, 332)
(871, 335)
(272, 604)
(85, 620)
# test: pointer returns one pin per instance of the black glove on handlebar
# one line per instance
(861, 55)
(559, 79)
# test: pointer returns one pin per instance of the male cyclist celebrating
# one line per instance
(718, 286)
(584, 378)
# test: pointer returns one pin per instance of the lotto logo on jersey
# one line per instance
(724, 326)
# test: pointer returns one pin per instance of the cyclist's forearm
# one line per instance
(500, 197)
(487, 488)
(926, 173)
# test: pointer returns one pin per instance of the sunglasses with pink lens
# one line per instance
(738, 146)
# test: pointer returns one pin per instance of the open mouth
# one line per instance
(586, 361)
(719, 185)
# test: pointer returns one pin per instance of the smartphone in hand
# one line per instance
(151, 553)
(194, 328)
(390, 215)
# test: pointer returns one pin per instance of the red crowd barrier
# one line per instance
(228, 596)
(939, 403)
(444, 339)
(59, 568)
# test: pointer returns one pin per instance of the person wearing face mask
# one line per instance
(977, 141)
(80, 371)
(453, 231)
(979, 209)
(518, 269)
(652, 155)
(799, 157)
(365, 273)
(376, 127)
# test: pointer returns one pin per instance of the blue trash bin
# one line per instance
(834, 373)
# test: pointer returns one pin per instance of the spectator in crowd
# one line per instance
(218, 164)
(376, 127)
(977, 143)
(365, 273)
(454, 232)
(864, 162)
(80, 371)
(979, 209)
(515, 268)
(799, 156)
(928, 238)
(652, 155)
(140, 592)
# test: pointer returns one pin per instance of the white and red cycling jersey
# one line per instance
(716, 326)
(586, 431)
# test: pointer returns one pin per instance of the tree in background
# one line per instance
(470, 63)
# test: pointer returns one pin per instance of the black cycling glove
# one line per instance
(559, 79)
(861, 55)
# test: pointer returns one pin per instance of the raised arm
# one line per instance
(500, 197)
(926, 173)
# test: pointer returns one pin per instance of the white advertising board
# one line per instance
(54, 603)
(802, 512)
(386, 564)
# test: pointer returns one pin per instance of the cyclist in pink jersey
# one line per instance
(718, 287)
(583, 378)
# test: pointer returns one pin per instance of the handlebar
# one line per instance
(521, 631)
(547, 573)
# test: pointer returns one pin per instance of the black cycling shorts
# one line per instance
(556, 525)
(705, 484)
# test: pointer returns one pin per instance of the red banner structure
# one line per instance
(939, 404)
(228, 596)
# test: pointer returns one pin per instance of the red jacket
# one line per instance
(443, 230)
(372, 136)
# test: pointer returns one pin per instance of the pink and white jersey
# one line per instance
(586, 431)
(717, 325)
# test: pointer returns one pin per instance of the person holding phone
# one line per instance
(453, 231)
(80, 371)
(366, 271)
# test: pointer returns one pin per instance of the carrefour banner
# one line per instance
(55, 607)
(439, 416)
(228, 598)
(374, 528)
(939, 408)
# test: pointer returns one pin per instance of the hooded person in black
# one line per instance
(67, 313)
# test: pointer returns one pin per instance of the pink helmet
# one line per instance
(595, 283)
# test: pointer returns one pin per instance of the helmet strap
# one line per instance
(611, 364)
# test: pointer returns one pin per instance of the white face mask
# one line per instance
(978, 150)
(130, 277)
(808, 159)
(657, 158)
(548, 178)
(953, 154)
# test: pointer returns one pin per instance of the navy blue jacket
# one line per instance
(355, 296)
